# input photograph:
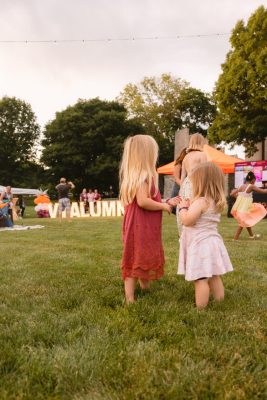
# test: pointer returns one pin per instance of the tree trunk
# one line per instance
(263, 149)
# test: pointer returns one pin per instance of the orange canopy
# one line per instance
(226, 162)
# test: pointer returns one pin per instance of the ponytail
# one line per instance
(250, 177)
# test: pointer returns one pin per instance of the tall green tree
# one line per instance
(165, 104)
(241, 90)
(19, 136)
(84, 143)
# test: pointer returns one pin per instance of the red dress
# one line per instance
(143, 255)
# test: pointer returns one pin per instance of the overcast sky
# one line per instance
(52, 76)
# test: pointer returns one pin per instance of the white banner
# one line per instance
(101, 209)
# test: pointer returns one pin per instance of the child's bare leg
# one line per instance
(129, 287)
(60, 215)
(238, 231)
(216, 288)
(144, 284)
(202, 293)
(68, 214)
(250, 232)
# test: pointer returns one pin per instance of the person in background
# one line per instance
(3, 219)
(21, 206)
(193, 158)
(97, 196)
(63, 189)
(84, 199)
(90, 196)
(5, 204)
(177, 172)
(83, 195)
(244, 210)
(111, 192)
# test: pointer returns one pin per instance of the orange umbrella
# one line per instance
(224, 161)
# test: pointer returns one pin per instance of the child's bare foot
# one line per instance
(256, 236)
(144, 284)
(129, 300)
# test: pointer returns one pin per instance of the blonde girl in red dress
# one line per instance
(143, 255)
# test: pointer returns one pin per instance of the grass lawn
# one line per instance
(66, 334)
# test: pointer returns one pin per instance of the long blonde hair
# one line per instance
(208, 181)
(180, 157)
(138, 165)
(196, 142)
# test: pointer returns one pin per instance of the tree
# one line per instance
(165, 104)
(241, 90)
(19, 134)
(84, 143)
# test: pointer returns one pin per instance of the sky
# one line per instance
(51, 76)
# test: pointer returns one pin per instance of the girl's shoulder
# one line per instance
(195, 155)
(245, 187)
(250, 188)
(202, 203)
(208, 205)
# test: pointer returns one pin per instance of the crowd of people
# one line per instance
(87, 197)
(90, 196)
(10, 205)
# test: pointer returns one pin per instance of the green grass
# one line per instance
(66, 334)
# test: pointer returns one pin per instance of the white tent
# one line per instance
(22, 191)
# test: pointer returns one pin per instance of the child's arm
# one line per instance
(240, 188)
(190, 215)
(72, 186)
(177, 174)
(255, 188)
(234, 192)
(174, 201)
(144, 201)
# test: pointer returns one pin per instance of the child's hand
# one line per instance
(174, 201)
(234, 193)
(166, 207)
(184, 203)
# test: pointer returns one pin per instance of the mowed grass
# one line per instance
(66, 333)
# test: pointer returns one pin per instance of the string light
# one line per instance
(128, 39)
